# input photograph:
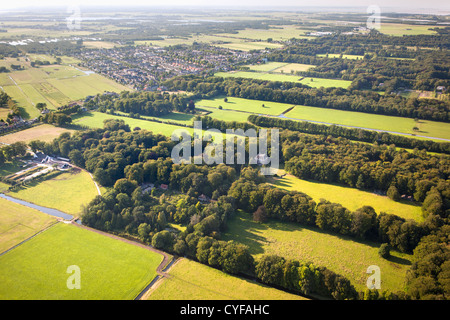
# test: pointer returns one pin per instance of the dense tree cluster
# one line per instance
(141, 102)
(429, 276)
(385, 68)
(11, 151)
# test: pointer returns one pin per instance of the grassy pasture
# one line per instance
(4, 113)
(344, 56)
(279, 33)
(44, 132)
(55, 85)
(245, 105)
(339, 254)
(312, 82)
(67, 192)
(280, 67)
(372, 121)
(400, 29)
(177, 117)
(350, 198)
(295, 67)
(95, 120)
(266, 67)
(37, 269)
(18, 223)
(226, 115)
(26, 106)
(191, 280)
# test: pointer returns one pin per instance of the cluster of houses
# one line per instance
(144, 67)
(16, 123)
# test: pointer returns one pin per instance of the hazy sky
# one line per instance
(436, 4)
(406, 6)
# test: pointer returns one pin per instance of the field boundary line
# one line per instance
(148, 290)
(29, 238)
(165, 264)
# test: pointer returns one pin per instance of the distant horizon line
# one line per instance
(306, 7)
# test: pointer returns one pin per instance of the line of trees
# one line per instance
(351, 133)
(142, 103)
(362, 224)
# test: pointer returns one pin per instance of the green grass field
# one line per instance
(177, 117)
(266, 67)
(278, 33)
(18, 223)
(312, 82)
(55, 85)
(66, 192)
(339, 254)
(293, 68)
(109, 269)
(194, 281)
(226, 115)
(372, 121)
(399, 29)
(350, 198)
(280, 67)
(245, 105)
(344, 56)
(95, 120)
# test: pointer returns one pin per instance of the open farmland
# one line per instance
(18, 223)
(66, 192)
(95, 120)
(276, 33)
(44, 132)
(312, 82)
(245, 105)
(350, 198)
(55, 85)
(190, 280)
(294, 68)
(109, 269)
(280, 67)
(398, 29)
(343, 56)
(340, 254)
(427, 128)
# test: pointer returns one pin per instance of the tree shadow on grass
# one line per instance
(398, 260)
